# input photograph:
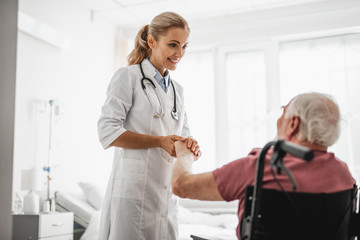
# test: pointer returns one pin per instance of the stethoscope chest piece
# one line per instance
(175, 114)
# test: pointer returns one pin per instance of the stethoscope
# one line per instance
(174, 112)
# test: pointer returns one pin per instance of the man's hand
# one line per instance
(183, 151)
(167, 143)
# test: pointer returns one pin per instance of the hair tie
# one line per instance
(145, 32)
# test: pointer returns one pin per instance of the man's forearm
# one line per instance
(182, 166)
(182, 169)
(200, 186)
(194, 186)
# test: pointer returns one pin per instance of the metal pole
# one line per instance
(51, 102)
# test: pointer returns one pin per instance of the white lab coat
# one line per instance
(139, 203)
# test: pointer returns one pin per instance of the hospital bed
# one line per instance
(214, 219)
(76, 203)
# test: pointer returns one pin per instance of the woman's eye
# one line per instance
(172, 45)
(185, 46)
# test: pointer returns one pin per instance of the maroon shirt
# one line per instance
(324, 174)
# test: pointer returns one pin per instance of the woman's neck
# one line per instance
(157, 66)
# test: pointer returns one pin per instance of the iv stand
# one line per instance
(48, 168)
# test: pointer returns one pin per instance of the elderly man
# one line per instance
(311, 120)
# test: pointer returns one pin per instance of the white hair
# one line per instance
(319, 118)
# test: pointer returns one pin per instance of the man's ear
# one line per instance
(293, 126)
(151, 41)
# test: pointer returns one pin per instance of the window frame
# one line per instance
(271, 49)
(271, 53)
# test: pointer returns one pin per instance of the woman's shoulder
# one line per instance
(124, 77)
(127, 74)
(131, 70)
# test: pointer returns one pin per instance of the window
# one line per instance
(330, 65)
(196, 74)
(233, 95)
(246, 102)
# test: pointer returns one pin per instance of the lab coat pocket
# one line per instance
(129, 179)
(133, 169)
(127, 188)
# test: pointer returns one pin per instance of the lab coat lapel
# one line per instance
(150, 72)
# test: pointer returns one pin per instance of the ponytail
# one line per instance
(142, 49)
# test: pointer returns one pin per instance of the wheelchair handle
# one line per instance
(295, 150)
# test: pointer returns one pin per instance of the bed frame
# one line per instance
(79, 224)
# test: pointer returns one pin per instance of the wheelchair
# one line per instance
(280, 215)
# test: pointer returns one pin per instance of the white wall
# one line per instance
(272, 23)
(77, 78)
(265, 24)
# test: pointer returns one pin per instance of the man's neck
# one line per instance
(311, 146)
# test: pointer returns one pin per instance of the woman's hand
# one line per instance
(167, 143)
(194, 147)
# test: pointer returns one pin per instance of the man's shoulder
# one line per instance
(248, 161)
(254, 152)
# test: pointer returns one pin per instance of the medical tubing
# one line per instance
(172, 84)
(144, 78)
(158, 113)
(147, 95)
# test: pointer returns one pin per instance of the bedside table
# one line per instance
(49, 226)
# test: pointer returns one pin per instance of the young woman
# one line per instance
(142, 117)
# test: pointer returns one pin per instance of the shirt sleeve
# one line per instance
(116, 107)
(232, 178)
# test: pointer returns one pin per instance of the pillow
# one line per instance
(93, 194)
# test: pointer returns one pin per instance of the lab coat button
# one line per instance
(165, 187)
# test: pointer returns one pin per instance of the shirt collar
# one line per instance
(158, 76)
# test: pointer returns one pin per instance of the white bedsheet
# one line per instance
(77, 204)
(92, 231)
(215, 227)
(205, 231)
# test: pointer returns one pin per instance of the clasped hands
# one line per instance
(183, 144)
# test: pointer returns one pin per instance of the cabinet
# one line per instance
(49, 226)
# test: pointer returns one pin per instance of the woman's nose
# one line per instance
(180, 52)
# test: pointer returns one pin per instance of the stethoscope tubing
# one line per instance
(174, 110)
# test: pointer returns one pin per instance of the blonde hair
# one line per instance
(158, 27)
(319, 118)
